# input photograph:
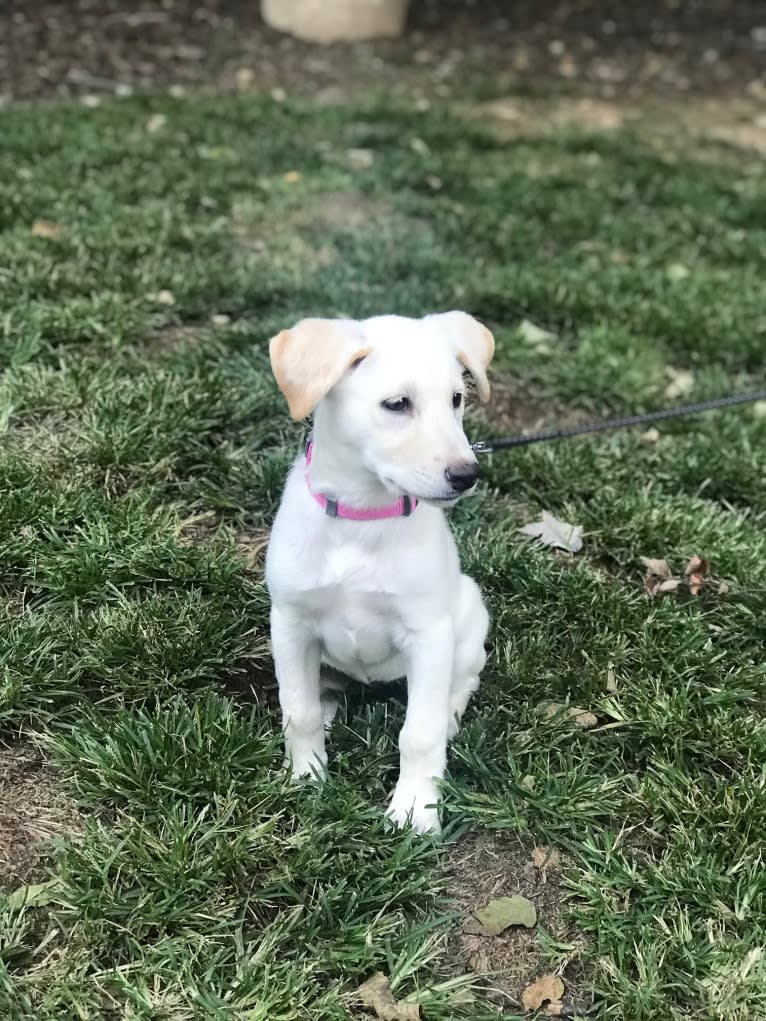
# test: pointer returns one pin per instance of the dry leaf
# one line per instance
(219, 319)
(46, 229)
(545, 857)
(723, 588)
(360, 159)
(580, 717)
(552, 532)
(669, 585)
(650, 436)
(376, 994)
(759, 409)
(555, 1008)
(681, 382)
(697, 565)
(676, 272)
(499, 914)
(156, 123)
(535, 335)
(655, 568)
(292, 176)
(162, 297)
(696, 581)
(547, 988)
(527, 782)
(611, 681)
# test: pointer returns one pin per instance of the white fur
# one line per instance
(380, 600)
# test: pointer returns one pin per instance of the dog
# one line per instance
(362, 569)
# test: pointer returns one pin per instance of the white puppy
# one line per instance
(362, 568)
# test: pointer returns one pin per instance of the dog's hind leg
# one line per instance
(471, 626)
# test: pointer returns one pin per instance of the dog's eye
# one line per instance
(457, 400)
(397, 404)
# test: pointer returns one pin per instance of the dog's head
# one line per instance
(392, 390)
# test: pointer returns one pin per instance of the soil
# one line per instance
(485, 866)
(33, 809)
(451, 48)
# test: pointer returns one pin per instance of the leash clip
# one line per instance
(482, 447)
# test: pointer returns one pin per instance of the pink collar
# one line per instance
(401, 508)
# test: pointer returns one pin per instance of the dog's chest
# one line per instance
(356, 615)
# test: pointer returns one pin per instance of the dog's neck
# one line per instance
(337, 470)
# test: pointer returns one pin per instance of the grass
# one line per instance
(202, 885)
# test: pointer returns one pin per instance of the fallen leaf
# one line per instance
(156, 123)
(163, 297)
(545, 857)
(723, 588)
(611, 682)
(547, 988)
(244, 77)
(555, 1008)
(669, 585)
(434, 183)
(759, 409)
(681, 382)
(697, 565)
(292, 176)
(552, 532)
(676, 272)
(46, 229)
(655, 568)
(498, 915)
(696, 581)
(360, 159)
(527, 782)
(219, 319)
(650, 436)
(533, 334)
(580, 717)
(376, 994)
(35, 896)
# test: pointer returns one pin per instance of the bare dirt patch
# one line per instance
(516, 408)
(33, 809)
(485, 866)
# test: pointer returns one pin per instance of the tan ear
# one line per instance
(475, 346)
(308, 360)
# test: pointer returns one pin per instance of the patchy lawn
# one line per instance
(149, 248)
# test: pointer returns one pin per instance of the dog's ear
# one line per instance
(475, 346)
(308, 360)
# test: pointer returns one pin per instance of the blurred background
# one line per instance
(470, 50)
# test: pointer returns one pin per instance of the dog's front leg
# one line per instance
(423, 738)
(296, 660)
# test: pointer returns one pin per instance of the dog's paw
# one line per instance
(416, 807)
(310, 766)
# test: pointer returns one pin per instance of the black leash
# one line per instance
(624, 422)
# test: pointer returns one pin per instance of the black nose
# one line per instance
(462, 476)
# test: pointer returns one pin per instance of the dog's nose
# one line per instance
(462, 476)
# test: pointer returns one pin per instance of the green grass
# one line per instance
(203, 885)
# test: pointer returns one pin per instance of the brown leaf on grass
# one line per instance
(527, 782)
(555, 1008)
(650, 436)
(46, 229)
(655, 568)
(580, 717)
(376, 994)
(552, 532)
(681, 382)
(545, 857)
(546, 989)
(695, 571)
(723, 588)
(503, 912)
(697, 565)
